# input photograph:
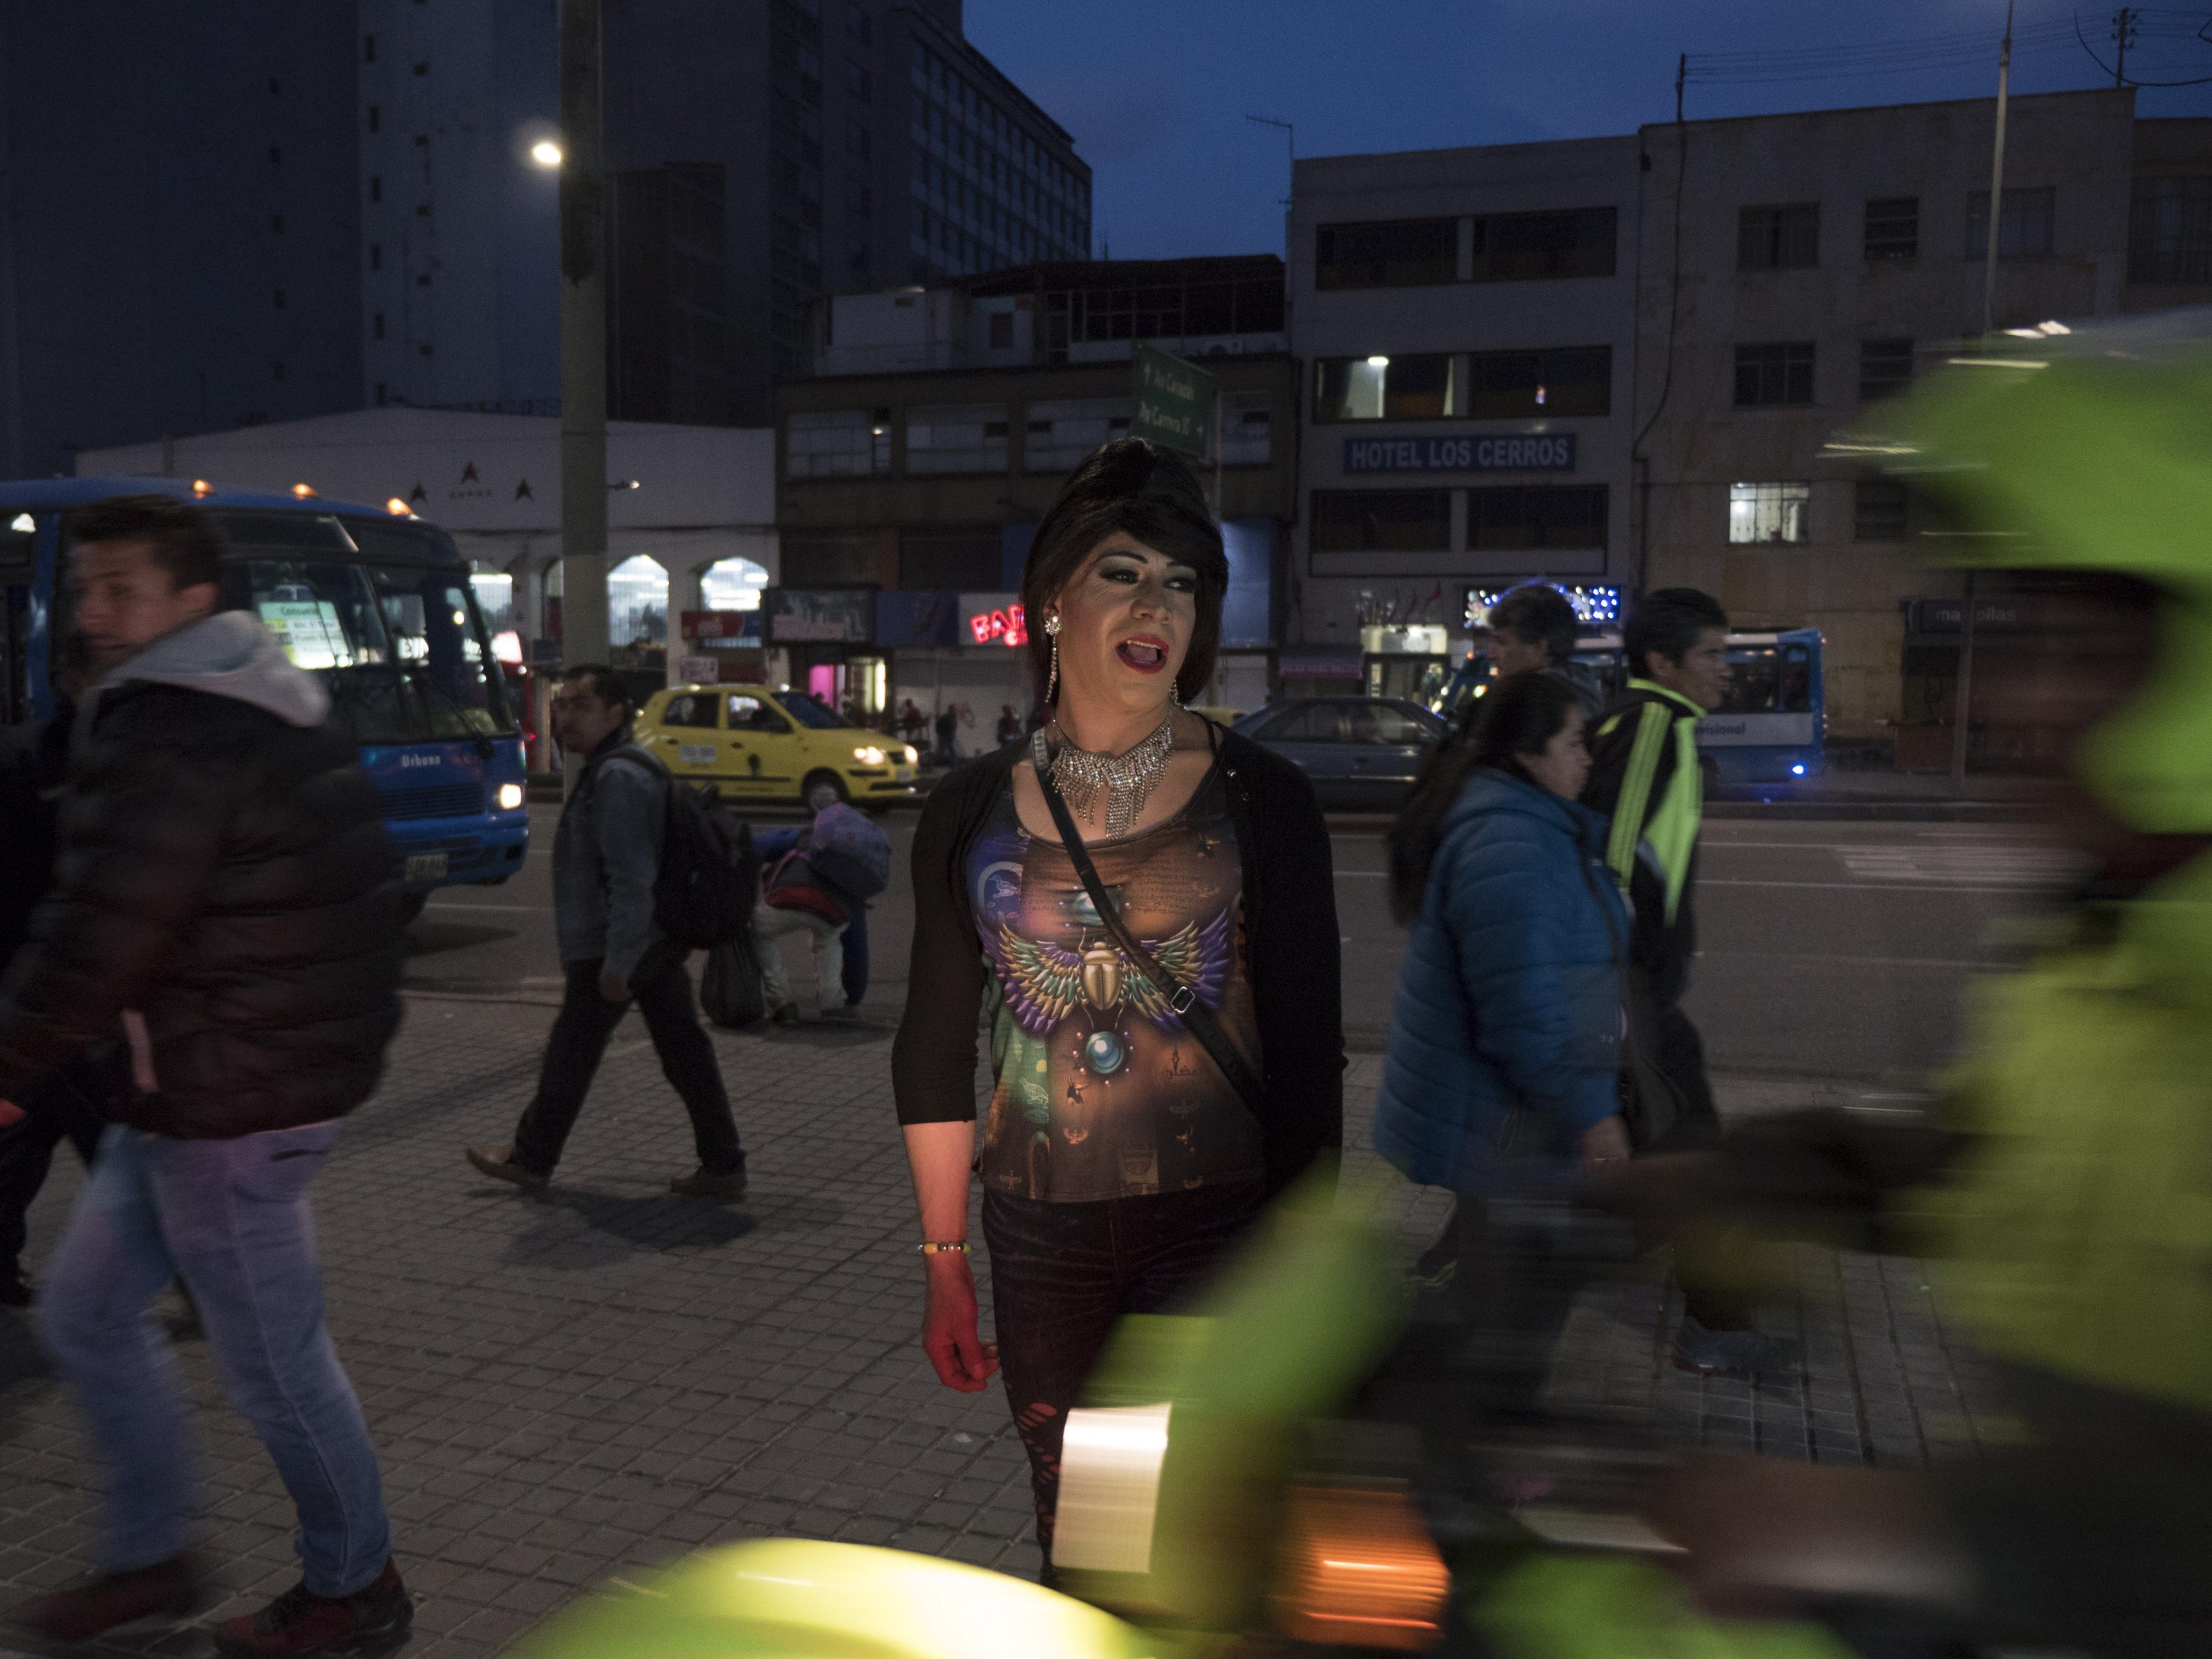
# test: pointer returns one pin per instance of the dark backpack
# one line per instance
(709, 877)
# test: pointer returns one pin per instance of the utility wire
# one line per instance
(1938, 52)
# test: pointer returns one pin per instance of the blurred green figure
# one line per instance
(2067, 1179)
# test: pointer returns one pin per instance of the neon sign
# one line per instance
(1002, 625)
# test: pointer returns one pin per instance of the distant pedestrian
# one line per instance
(913, 722)
(1533, 630)
(1010, 725)
(606, 854)
(1647, 779)
(801, 877)
(948, 728)
(226, 892)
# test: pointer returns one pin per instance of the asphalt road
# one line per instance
(1831, 951)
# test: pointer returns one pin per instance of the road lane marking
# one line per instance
(464, 904)
(1986, 863)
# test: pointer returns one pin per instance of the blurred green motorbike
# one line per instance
(1212, 1499)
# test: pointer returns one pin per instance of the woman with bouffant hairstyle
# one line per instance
(1143, 903)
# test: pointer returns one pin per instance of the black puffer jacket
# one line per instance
(224, 872)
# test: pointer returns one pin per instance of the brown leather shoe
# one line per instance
(498, 1163)
(704, 1183)
(101, 1601)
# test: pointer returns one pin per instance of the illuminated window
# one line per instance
(732, 585)
(1387, 388)
(637, 602)
(1768, 513)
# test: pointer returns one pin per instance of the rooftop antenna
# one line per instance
(1290, 154)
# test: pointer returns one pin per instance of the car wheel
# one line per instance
(822, 789)
(410, 906)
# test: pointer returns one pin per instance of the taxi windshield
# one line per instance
(811, 712)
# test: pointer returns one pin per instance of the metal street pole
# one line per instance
(583, 342)
(1962, 705)
(1996, 181)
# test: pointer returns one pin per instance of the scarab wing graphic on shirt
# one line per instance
(1045, 982)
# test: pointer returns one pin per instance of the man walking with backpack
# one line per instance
(606, 864)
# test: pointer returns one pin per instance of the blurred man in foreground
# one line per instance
(224, 891)
(2068, 1176)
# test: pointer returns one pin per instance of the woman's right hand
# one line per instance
(949, 1334)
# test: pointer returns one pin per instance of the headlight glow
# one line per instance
(911, 755)
(510, 797)
(870, 756)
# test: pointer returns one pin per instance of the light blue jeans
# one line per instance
(231, 1218)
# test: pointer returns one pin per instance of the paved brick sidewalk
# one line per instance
(571, 1387)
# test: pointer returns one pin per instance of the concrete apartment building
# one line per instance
(1824, 259)
(1772, 278)
(1467, 323)
(913, 468)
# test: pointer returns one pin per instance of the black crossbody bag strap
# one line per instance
(1197, 1018)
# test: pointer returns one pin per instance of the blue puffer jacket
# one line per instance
(1510, 994)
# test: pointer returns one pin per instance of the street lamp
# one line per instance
(546, 154)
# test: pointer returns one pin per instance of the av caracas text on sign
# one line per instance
(1552, 452)
(1174, 402)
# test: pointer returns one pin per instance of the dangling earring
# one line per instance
(1052, 633)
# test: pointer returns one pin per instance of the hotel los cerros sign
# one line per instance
(1546, 451)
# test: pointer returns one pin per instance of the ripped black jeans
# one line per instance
(1063, 1275)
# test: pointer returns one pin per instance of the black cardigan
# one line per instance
(1290, 919)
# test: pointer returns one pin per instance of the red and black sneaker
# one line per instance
(101, 1601)
(370, 1621)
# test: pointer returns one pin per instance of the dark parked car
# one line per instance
(1361, 753)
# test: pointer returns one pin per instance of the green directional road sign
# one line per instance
(1174, 402)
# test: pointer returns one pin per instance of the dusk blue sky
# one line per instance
(1156, 91)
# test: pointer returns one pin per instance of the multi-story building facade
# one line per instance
(913, 468)
(1823, 260)
(1640, 363)
(312, 208)
(1466, 320)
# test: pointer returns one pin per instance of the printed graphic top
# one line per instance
(1100, 1092)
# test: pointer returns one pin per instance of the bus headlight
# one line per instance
(870, 756)
(510, 797)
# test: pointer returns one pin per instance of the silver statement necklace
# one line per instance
(1128, 778)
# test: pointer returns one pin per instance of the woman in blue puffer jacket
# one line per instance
(1505, 1042)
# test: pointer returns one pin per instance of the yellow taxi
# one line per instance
(754, 743)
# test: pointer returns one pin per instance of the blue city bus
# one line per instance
(376, 603)
(1771, 728)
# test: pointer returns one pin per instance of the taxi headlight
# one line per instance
(510, 797)
(869, 756)
(911, 755)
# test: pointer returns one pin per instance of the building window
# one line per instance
(1393, 253)
(856, 139)
(1770, 375)
(375, 119)
(368, 49)
(836, 443)
(1786, 238)
(1762, 513)
(2023, 229)
(1002, 331)
(956, 438)
(1061, 434)
(1893, 228)
(1880, 509)
(857, 81)
(1885, 366)
(1505, 385)
(375, 187)
(280, 299)
(1246, 429)
(376, 327)
(1537, 517)
(2170, 231)
(1382, 521)
(376, 256)
(1522, 248)
(1385, 388)
(277, 223)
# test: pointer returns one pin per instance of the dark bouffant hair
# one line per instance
(1135, 486)
(184, 537)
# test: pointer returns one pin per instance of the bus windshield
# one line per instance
(399, 644)
(1762, 681)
